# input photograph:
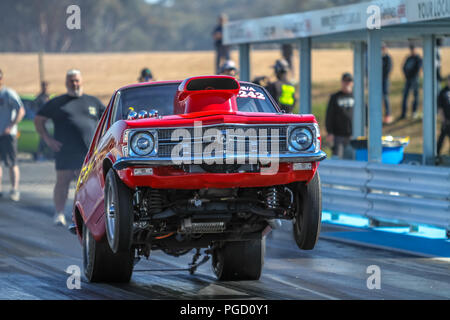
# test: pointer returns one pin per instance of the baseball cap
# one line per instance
(347, 77)
(281, 65)
(229, 65)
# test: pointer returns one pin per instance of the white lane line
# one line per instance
(287, 283)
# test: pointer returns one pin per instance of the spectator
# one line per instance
(339, 118)
(439, 61)
(444, 109)
(75, 116)
(229, 69)
(11, 113)
(39, 102)
(146, 75)
(287, 51)
(411, 70)
(222, 51)
(282, 90)
(387, 68)
(43, 96)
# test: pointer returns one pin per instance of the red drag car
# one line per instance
(208, 163)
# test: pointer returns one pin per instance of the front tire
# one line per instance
(100, 264)
(239, 260)
(308, 215)
(118, 213)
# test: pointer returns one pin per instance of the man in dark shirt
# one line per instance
(222, 51)
(75, 116)
(411, 70)
(339, 118)
(282, 90)
(387, 68)
(444, 108)
(287, 51)
(42, 97)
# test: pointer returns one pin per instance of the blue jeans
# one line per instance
(411, 84)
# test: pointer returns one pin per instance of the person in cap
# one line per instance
(11, 113)
(75, 116)
(146, 75)
(444, 110)
(339, 118)
(282, 90)
(229, 69)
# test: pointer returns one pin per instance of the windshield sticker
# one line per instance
(249, 92)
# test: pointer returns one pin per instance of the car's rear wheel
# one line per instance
(118, 213)
(239, 260)
(100, 264)
(308, 214)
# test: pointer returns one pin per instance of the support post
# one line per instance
(244, 61)
(429, 100)
(305, 76)
(375, 96)
(359, 69)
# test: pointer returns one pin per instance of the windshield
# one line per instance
(251, 98)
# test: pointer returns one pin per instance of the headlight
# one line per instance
(301, 139)
(142, 143)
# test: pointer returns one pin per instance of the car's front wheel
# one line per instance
(100, 264)
(118, 213)
(308, 214)
(239, 260)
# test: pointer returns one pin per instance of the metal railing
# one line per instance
(403, 194)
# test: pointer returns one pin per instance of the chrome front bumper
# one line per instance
(127, 162)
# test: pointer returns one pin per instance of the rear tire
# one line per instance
(309, 214)
(100, 264)
(239, 260)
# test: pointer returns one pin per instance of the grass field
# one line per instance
(103, 73)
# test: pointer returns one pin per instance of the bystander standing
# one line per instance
(339, 118)
(75, 116)
(11, 113)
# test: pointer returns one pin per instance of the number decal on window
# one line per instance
(251, 94)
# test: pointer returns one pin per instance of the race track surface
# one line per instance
(34, 256)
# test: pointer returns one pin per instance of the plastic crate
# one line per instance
(392, 152)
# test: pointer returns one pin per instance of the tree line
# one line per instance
(130, 25)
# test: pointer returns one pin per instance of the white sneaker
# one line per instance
(59, 220)
(14, 195)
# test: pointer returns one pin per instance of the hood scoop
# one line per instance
(208, 93)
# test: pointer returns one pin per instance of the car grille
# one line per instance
(241, 137)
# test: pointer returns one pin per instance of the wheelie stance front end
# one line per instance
(208, 163)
